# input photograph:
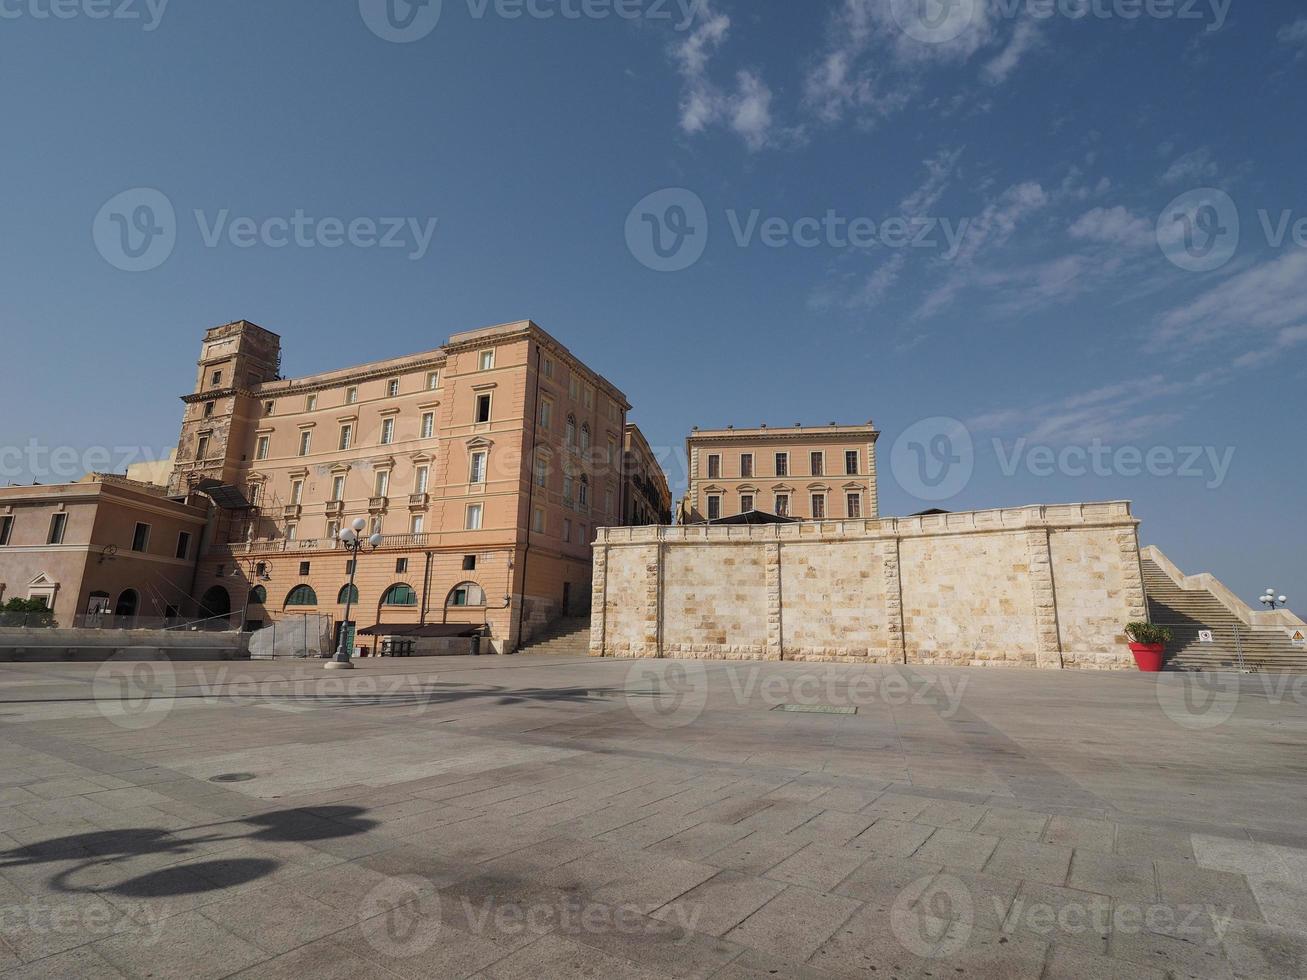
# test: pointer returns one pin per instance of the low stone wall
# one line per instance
(1048, 587)
(95, 646)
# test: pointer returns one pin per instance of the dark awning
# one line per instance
(754, 517)
(224, 496)
(428, 632)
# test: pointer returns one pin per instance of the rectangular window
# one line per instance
(261, 447)
(746, 503)
(208, 410)
(387, 431)
(538, 520)
(567, 530)
(608, 503)
(855, 505)
(549, 368)
(477, 471)
(433, 380)
(428, 425)
(306, 442)
(416, 524)
(422, 479)
(58, 524)
(346, 436)
(297, 492)
(392, 387)
(818, 506)
(714, 508)
(546, 414)
(349, 567)
(292, 532)
(487, 360)
(202, 448)
(782, 505)
(746, 465)
(304, 568)
(268, 407)
(581, 535)
(851, 463)
(573, 388)
(338, 487)
(782, 464)
(473, 522)
(542, 472)
(351, 396)
(818, 463)
(469, 563)
(311, 403)
(217, 378)
(382, 484)
(589, 399)
(714, 467)
(483, 408)
(401, 566)
(612, 452)
(141, 537)
(6, 530)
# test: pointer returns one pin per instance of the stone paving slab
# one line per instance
(495, 818)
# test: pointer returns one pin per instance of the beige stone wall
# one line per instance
(1045, 587)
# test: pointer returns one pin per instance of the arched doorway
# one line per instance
(215, 604)
(127, 603)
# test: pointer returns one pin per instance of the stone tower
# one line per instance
(223, 409)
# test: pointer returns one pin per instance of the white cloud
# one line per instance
(1295, 36)
(1113, 226)
(1194, 168)
(746, 110)
(1025, 38)
(939, 172)
(1285, 339)
(1269, 296)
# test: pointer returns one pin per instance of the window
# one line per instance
(400, 595)
(268, 407)
(589, 398)
(580, 534)
(428, 425)
(401, 566)
(217, 378)
(483, 408)
(714, 507)
(347, 594)
(714, 467)
(473, 521)
(782, 505)
(261, 447)
(349, 567)
(183, 545)
(258, 596)
(585, 437)
(346, 435)
(387, 431)
(416, 524)
(208, 410)
(541, 471)
(546, 414)
(782, 464)
(306, 442)
(854, 505)
(851, 463)
(818, 506)
(392, 387)
(538, 520)
(141, 537)
(311, 403)
(297, 491)
(466, 594)
(351, 396)
(608, 503)
(612, 451)
(477, 471)
(584, 499)
(338, 487)
(6, 530)
(568, 484)
(292, 532)
(202, 448)
(58, 524)
(746, 503)
(547, 366)
(304, 568)
(567, 530)
(382, 484)
(487, 360)
(571, 431)
(818, 463)
(433, 380)
(746, 464)
(573, 388)
(422, 479)
(469, 563)
(302, 595)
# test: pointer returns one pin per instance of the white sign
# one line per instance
(1205, 636)
(1298, 637)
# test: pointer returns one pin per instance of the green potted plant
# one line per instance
(1148, 644)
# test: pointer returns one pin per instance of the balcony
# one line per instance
(274, 546)
(291, 512)
(335, 508)
(377, 505)
(419, 501)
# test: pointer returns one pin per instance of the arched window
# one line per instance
(127, 603)
(258, 596)
(400, 595)
(302, 595)
(585, 437)
(348, 594)
(584, 498)
(571, 430)
(466, 594)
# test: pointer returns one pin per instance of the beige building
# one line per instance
(648, 498)
(822, 473)
(105, 546)
(485, 464)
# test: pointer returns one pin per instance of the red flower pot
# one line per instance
(1148, 656)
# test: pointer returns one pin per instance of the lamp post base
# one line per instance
(338, 665)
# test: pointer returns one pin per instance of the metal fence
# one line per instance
(1198, 645)
(302, 637)
(28, 620)
(104, 621)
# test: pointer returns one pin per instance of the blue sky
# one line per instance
(1073, 236)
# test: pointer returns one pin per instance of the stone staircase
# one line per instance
(1187, 611)
(566, 637)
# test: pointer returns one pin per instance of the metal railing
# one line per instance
(1191, 640)
(28, 620)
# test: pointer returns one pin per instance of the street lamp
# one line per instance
(1271, 601)
(353, 544)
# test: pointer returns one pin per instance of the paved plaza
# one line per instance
(535, 817)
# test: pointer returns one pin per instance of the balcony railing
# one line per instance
(291, 512)
(389, 542)
(377, 504)
(419, 501)
(335, 508)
